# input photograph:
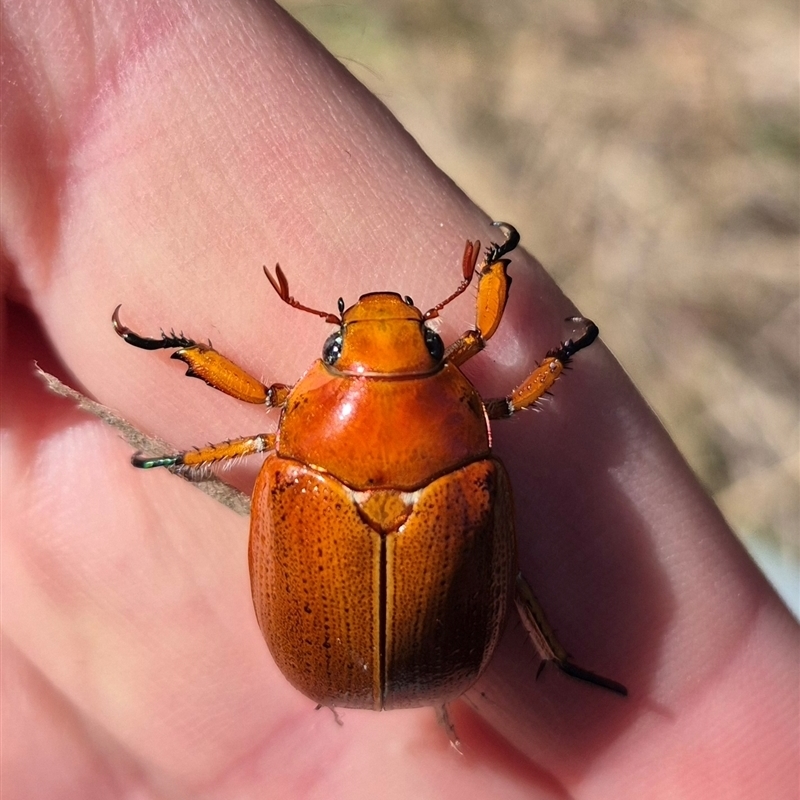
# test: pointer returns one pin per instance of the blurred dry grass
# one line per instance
(649, 152)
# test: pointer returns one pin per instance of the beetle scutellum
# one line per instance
(383, 581)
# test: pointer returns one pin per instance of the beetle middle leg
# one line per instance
(206, 363)
(195, 463)
(544, 376)
(546, 643)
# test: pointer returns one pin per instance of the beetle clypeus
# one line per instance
(383, 580)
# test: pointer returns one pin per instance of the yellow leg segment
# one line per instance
(222, 374)
(204, 457)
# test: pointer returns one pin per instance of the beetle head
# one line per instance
(383, 335)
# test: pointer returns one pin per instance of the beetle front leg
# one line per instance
(546, 643)
(196, 462)
(207, 364)
(493, 287)
(544, 376)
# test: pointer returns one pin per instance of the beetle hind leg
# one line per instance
(546, 643)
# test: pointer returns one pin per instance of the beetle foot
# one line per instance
(142, 461)
(575, 671)
(443, 718)
(166, 342)
(494, 252)
(571, 346)
(335, 713)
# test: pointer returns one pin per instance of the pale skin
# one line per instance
(157, 158)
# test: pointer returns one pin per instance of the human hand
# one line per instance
(158, 159)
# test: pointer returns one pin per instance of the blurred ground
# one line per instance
(649, 153)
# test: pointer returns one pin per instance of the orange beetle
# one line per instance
(383, 579)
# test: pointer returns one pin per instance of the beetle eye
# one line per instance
(332, 348)
(434, 344)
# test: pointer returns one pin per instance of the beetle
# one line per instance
(382, 548)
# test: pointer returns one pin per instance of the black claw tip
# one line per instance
(120, 329)
(572, 346)
(145, 343)
(496, 251)
(590, 677)
(590, 333)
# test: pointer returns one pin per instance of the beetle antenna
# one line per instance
(468, 262)
(281, 287)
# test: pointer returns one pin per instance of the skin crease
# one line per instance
(156, 155)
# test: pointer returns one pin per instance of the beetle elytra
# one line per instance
(383, 580)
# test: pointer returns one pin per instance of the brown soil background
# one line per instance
(649, 152)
